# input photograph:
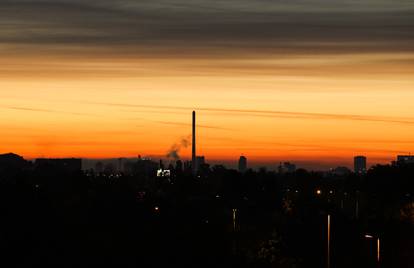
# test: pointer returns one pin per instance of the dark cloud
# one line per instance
(160, 27)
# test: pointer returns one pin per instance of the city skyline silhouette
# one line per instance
(207, 133)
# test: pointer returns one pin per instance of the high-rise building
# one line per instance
(360, 164)
(242, 164)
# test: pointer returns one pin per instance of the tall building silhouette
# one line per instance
(194, 156)
(242, 164)
(360, 164)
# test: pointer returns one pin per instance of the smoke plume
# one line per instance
(174, 151)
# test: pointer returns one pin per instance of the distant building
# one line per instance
(99, 167)
(61, 164)
(341, 171)
(164, 173)
(109, 169)
(12, 161)
(143, 167)
(179, 166)
(129, 167)
(286, 167)
(360, 164)
(405, 159)
(188, 165)
(242, 164)
(200, 161)
(120, 164)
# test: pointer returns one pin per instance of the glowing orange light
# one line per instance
(318, 192)
(378, 250)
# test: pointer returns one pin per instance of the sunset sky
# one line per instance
(314, 82)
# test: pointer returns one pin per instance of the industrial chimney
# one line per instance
(194, 157)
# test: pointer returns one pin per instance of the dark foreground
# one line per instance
(54, 219)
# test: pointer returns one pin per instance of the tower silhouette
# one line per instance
(194, 156)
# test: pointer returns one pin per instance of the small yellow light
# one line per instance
(318, 192)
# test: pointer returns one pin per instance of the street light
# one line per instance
(234, 218)
(378, 248)
(329, 243)
(318, 192)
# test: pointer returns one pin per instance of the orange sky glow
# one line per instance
(312, 82)
(323, 108)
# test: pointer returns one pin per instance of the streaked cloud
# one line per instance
(230, 27)
(188, 125)
(271, 113)
(30, 109)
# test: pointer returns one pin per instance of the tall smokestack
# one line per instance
(194, 158)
